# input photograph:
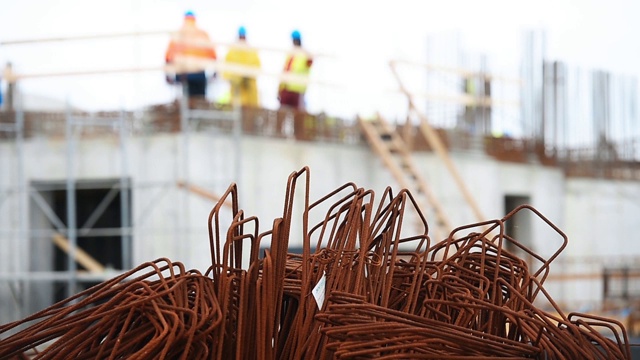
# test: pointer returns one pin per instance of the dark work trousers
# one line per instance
(196, 83)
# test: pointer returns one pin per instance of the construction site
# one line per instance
(445, 215)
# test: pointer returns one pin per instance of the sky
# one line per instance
(353, 40)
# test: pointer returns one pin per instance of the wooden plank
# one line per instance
(201, 192)
(182, 64)
(465, 99)
(438, 146)
(82, 37)
(171, 34)
(81, 256)
(463, 72)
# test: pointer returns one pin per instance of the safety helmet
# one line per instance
(242, 31)
(189, 14)
(295, 35)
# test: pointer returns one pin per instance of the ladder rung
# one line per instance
(397, 157)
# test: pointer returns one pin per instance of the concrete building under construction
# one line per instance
(87, 194)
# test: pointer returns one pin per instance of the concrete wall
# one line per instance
(601, 220)
(599, 216)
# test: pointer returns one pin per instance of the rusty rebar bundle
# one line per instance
(364, 286)
(157, 310)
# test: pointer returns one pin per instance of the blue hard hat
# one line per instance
(189, 13)
(242, 31)
(295, 35)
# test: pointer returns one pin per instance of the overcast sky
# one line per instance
(361, 36)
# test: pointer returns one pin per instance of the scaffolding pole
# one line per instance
(71, 204)
(125, 186)
(22, 191)
(18, 246)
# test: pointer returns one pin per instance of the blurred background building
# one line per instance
(104, 166)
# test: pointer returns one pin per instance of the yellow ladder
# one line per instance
(396, 157)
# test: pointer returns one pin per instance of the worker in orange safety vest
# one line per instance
(186, 49)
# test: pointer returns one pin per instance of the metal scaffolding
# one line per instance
(66, 233)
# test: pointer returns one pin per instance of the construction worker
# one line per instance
(477, 114)
(6, 103)
(291, 93)
(186, 51)
(469, 115)
(244, 88)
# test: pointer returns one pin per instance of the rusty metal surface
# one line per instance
(391, 292)
(158, 310)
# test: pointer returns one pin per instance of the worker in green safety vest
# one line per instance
(291, 93)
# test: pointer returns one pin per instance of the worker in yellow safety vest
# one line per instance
(290, 93)
(244, 87)
(191, 45)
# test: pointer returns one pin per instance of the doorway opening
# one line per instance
(519, 226)
(102, 218)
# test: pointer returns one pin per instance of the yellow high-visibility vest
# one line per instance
(297, 63)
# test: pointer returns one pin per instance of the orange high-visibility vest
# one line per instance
(190, 41)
